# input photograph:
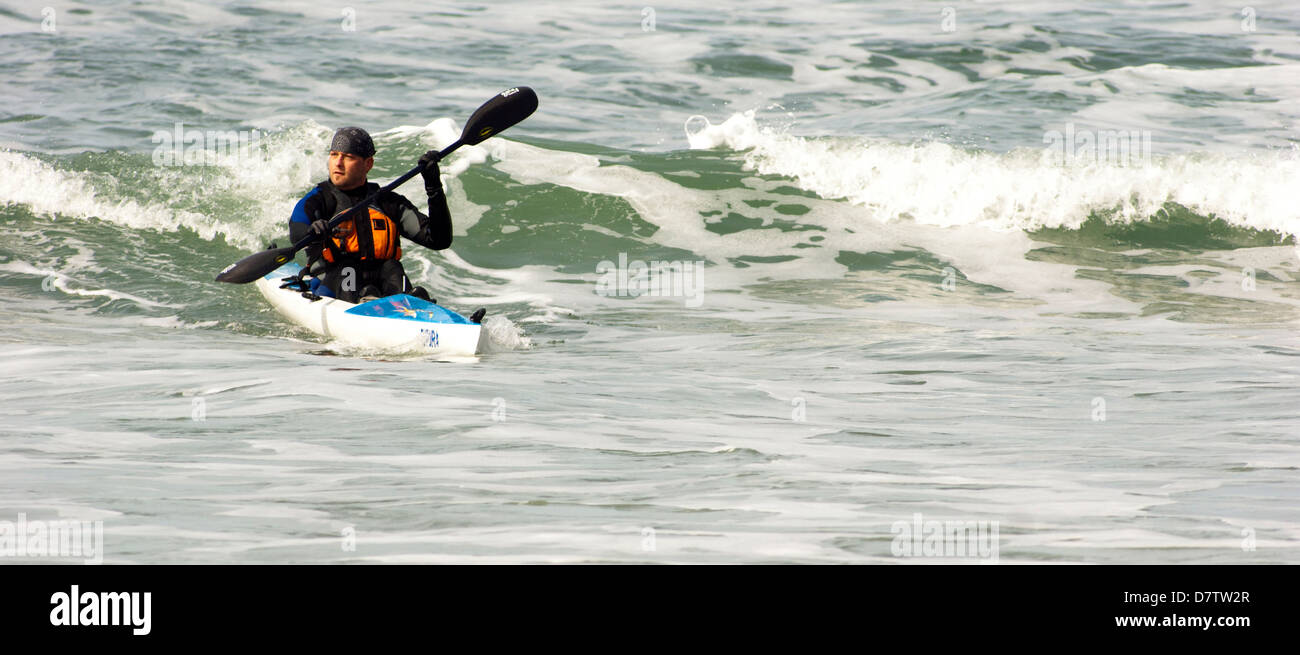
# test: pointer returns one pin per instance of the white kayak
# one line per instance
(400, 323)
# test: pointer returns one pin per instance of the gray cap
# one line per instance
(353, 140)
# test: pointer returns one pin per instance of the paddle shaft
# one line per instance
(419, 168)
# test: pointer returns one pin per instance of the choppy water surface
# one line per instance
(929, 282)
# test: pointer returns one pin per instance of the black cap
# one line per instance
(353, 140)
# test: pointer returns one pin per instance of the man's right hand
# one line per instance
(320, 227)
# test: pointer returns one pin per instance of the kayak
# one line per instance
(401, 323)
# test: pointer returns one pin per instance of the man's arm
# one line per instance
(432, 231)
(429, 231)
(306, 212)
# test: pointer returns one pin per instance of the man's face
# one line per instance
(348, 171)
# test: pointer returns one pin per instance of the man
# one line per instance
(361, 257)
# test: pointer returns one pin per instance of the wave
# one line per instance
(245, 200)
(758, 205)
(934, 183)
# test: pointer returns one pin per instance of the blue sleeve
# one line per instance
(300, 210)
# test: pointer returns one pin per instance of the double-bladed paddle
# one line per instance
(502, 111)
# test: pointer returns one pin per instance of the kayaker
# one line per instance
(362, 256)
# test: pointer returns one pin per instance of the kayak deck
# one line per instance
(400, 323)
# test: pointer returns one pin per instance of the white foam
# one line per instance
(504, 335)
(936, 184)
(28, 181)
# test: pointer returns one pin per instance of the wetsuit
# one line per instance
(386, 273)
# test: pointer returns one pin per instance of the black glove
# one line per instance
(432, 175)
(320, 227)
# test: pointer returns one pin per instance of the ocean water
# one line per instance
(1013, 265)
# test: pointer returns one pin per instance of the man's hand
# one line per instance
(320, 227)
(432, 175)
(430, 161)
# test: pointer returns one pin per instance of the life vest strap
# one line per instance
(362, 243)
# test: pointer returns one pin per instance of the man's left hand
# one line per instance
(432, 176)
(430, 162)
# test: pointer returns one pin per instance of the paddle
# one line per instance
(502, 111)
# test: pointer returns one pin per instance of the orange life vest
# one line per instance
(366, 237)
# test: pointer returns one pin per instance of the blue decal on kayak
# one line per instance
(409, 308)
(287, 269)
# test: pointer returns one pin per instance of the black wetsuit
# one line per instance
(432, 231)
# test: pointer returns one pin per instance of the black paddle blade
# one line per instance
(502, 111)
(256, 265)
